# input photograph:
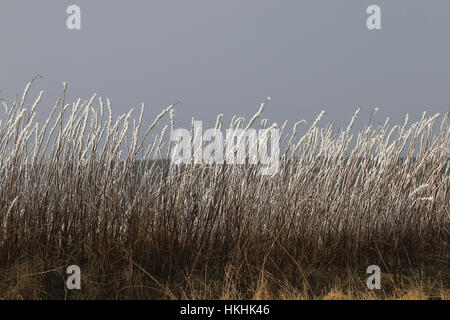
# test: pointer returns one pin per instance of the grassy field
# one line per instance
(85, 188)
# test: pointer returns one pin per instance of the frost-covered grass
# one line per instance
(85, 188)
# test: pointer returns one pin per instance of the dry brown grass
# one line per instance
(84, 189)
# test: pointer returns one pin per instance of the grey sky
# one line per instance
(227, 56)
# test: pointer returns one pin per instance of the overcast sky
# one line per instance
(227, 56)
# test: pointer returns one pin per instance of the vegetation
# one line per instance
(85, 188)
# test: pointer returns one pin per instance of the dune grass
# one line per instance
(87, 188)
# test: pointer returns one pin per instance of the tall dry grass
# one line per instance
(86, 187)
